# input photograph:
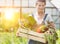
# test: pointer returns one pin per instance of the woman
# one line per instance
(39, 16)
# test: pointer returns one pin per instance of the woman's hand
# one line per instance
(51, 24)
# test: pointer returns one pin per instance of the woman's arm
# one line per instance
(50, 21)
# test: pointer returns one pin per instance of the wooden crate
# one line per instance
(31, 35)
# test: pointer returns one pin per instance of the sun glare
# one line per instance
(9, 13)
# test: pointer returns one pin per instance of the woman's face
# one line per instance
(40, 6)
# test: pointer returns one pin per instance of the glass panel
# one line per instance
(25, 3)
(48, 11)
(32, 3)
(8, 2)
(2, 2)
(16, 2)
(54, 18)
(58, 20)
(28, 10)
(48, 4)
(57, 26)
(54, 12)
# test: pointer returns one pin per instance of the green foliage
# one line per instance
(29, 20)
(58, 40)
(11, 38)
(51, 36)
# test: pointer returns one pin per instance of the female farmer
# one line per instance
(39, 15)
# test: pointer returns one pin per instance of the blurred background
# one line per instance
(10, 8)
(11, 12)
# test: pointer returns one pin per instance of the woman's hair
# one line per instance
(41, 1)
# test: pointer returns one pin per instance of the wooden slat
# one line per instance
(32, 35)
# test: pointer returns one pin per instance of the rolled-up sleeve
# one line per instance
(49, 18)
